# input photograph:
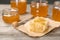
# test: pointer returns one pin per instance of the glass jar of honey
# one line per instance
(39, 8)
(13, 4)
(56, 11)
(34, 8)
(10, 15)
(22, 6)
(43, 8)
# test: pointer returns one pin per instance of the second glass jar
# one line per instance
(39, 8)
(21, 5)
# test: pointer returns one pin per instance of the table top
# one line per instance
(7, 32)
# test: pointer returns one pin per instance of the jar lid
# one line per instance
(14, 10)
(22, 0)
(56, 7)
(44, 4)
(57, 2)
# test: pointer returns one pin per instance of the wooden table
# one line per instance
(9, 33)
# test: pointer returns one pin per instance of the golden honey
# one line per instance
(43, 10)
(10, 18)
(56, 14)
(35, 9)
(13, 4)
(39, 9)
(22, 7)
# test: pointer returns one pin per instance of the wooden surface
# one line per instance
(7, 32)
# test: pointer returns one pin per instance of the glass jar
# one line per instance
(10, 15)
(56, 11)
(34, 8)
(39, 8)
(22, 6)
(43, 8)
(14, 3)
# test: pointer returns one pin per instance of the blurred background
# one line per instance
(8, 1)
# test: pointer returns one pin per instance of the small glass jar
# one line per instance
(43, 8)
(13, 4)
(10, 15)
(34, 8)
(22, 6)
(39, 8)
(56, 11)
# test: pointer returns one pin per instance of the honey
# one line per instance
(43, 10)
(22, 7)
(9, 19)
(10, 16)
(13, 5)
(35, 9)
(39, 9)
(56, 14)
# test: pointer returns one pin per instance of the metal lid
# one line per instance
(14, 10)
(56, 2)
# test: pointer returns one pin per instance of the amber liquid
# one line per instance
(22, 7)
(34, 10)
(10, 19)
(13, 5)
(43, 10)
(56, 14)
